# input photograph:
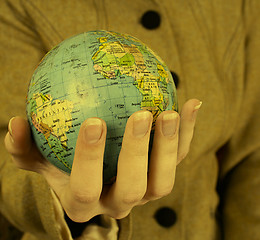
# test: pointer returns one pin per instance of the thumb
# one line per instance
(18, 140)
(19, 144)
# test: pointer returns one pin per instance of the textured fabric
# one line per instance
(214, 48)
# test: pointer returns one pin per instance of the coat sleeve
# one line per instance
(25, 198)
(240, 158)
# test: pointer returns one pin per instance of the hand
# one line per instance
(82, 194)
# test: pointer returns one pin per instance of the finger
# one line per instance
(19, 144)
(18, 141)
(86, 176)
(187, 124)
(163, 159)
(131, 181)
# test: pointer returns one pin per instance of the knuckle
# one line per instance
(132, 198)
(84, 197)
(143, 202)
(19, 164)
(76, 217)
(120, 215)
(160, 193)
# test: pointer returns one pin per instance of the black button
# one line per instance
(166, 217)
(151, 20)
(175, 79)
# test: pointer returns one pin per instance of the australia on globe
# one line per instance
(95, 74)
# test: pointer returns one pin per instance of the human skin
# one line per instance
(82, 194)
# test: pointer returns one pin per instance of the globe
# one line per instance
(101, 74)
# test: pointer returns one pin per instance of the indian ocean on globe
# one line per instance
(95, 74)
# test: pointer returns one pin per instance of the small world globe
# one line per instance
(100, 74)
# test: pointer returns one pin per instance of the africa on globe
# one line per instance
(95, 74)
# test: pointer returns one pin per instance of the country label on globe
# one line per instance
(95, 74)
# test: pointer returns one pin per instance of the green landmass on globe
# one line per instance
(95, 74)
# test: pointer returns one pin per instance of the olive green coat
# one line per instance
(214, 48)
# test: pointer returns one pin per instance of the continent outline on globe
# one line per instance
(109, 75)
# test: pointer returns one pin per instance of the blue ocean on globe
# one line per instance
(95, 74)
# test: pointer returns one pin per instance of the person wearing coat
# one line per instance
(205, 180)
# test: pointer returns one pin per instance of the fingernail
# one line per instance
(10, 128)
(169, 124)
(142, 122)
(93, 130)
(195, 111)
